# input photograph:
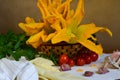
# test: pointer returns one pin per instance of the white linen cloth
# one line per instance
(17, 70)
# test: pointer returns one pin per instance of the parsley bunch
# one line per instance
(14, 45)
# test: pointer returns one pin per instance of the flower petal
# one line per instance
(61, 36)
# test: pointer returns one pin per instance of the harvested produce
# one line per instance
(112, 61)
(103, 70)
(62, 23)
(93, 56)
(88, 73)
(14, 46)
(80, 61)
(47, 71)
(63, 59)
(71, 62)
(65, 67)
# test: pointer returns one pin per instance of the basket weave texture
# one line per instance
(59, 48)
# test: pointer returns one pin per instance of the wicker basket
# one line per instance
(60, 48)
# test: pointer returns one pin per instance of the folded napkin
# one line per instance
(19, 70)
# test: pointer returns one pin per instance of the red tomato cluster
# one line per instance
(63, 59)
(79, 60)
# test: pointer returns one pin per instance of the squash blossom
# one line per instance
(61, 23)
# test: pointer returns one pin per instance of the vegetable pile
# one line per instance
(79, 60)
(83, 57)
(61, 23)
(14, 45)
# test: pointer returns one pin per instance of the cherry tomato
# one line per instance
(71, 62)
(88, 60)
(80, 61)
(93, 56)
(63, 59)
(83, 55)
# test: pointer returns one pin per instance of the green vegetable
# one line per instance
(14, 45)
(51, 56)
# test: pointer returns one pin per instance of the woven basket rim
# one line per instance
(59, 44)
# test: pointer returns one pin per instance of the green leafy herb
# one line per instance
(51, 56)
(14, 45)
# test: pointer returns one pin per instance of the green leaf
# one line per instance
(15, 45)
(29, 54)
(51, 56)
(2, 39)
